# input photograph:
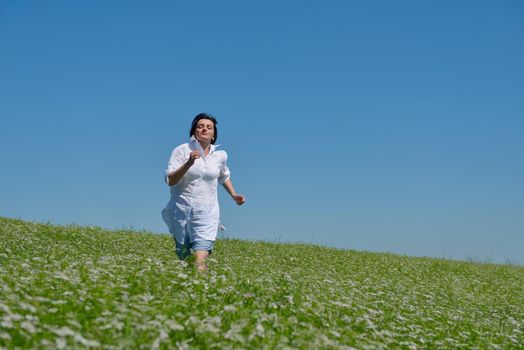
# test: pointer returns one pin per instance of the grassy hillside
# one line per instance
(83, 287)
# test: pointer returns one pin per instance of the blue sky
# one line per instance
(376, 125)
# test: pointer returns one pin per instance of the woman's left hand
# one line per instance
(239, 199)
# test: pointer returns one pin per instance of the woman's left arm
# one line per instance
(238, 198)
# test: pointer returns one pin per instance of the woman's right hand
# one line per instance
(194, 155)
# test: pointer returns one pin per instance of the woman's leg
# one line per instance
(202, 249)
(179, 233)
(200, 259)
(183, 249)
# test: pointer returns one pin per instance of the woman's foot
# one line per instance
(201, 266)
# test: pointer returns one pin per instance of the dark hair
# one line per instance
(204, 116)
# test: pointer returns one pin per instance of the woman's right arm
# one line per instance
(175, 177)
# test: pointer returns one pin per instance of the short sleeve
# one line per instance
(224, 170)
(177, 159)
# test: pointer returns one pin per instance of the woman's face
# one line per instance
(205, 130)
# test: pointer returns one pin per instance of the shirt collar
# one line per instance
(194, 144)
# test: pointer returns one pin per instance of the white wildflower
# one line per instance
(292, 320)
(42, 299)
(192, 320)
(45, 343)
(211, 325)
(182, 275)
(86, 342)
(259, 331)
(401, 318)
(106, 326)
(161, 337)
(5, 308)
(338, 303)
(64, 331)
(174, 326)
(369, 322)
(6, 323)
(347, 319)
(7, 320)
(335, 333)
(234, 333)
(230, 308)
(184, 345)
(61, 276)
(74, 323)
(28, 326)
(27, 307)
(147, 297)
(61, 343)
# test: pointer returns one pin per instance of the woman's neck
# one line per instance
(205, 146)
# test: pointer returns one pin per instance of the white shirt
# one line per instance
(194, 202)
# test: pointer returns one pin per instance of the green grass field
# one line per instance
(74, 287)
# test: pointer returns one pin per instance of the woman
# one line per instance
(193, 173)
